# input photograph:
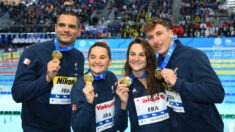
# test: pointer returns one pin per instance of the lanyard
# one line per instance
(57, 47)
(99, 77)
(164, 63)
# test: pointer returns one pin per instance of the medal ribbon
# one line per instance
(131, 76)
(164, 63)
(99, 77)
(57, 47)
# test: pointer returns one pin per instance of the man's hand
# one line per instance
(169, 76)
(53, 68)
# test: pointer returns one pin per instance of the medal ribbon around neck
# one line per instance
(131, 76)
(99, 77)
(164, 63)
(67, 48)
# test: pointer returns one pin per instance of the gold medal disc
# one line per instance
(56, 55)
(126, 80)
(158, 74)
(88, 78)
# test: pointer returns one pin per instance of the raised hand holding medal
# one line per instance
(53, 66)
(167, 76)
(160, 78)
(122, 90)
(125, 80)
(88, 90)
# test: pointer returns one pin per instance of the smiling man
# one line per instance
(43, 82)
(191, 85)
(67, 29)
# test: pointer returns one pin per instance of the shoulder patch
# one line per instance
(26, 61)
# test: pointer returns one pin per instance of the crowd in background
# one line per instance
(201, 18)
(45, 12)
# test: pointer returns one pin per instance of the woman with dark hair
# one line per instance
(144, 99)
(92, 96)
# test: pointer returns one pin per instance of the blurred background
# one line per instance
(204, 24)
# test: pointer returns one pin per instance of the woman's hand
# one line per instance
(88, 91)
(122, 91)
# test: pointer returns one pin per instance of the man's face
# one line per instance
(160, 39)
(66, 30)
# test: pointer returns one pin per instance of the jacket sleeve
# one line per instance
(203, 85)
(121, 117)
(83, 112)
(29, 83)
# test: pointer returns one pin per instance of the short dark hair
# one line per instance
(70, 13)
(102, 44)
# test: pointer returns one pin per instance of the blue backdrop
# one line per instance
(220, 50)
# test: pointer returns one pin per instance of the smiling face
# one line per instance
(160, 39)
(66, 30)
(137, 59)
(99, 60)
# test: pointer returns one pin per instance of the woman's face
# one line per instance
(137, 59)
(99, 60)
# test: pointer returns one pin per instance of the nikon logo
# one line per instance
(65, 81)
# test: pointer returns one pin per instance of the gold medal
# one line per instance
(126, 80)
(167, 87)
(88, 78)
(158, 74)
(56, 55)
